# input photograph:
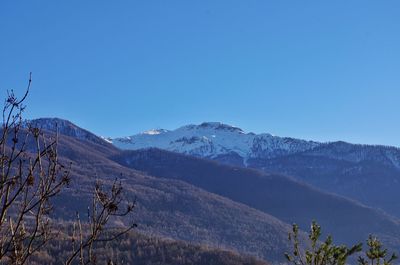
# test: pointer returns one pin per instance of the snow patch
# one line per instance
(211, 139)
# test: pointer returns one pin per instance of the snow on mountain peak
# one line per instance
(155, 131)
(212, 139)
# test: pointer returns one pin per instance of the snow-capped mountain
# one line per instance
(228, 144)
(214, 139)
(360, 172)
(232, 145)
(182, 178)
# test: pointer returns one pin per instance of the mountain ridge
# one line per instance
(285, 200)
(361, 172)
(215, 139)
(211, 139)
(168, 208)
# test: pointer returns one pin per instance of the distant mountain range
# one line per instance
(213, 140)
(360, 172)
(214, 184)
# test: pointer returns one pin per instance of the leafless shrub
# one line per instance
(28, 180)
(30, 176)
(106, 204)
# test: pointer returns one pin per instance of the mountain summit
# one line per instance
(359, 172)
(215, 139)
(65, 127)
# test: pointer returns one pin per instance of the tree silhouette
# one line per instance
(31, 175)
(320, 253)
(327, 253)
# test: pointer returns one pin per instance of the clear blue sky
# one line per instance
(323, 70)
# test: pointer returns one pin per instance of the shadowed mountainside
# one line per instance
(356, 171)
(170, 208)
(280, 196)
(364, 173)
(202, 201)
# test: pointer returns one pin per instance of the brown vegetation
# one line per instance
(138, 249)
(31, 176)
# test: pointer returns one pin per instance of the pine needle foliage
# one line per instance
(319, 252)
